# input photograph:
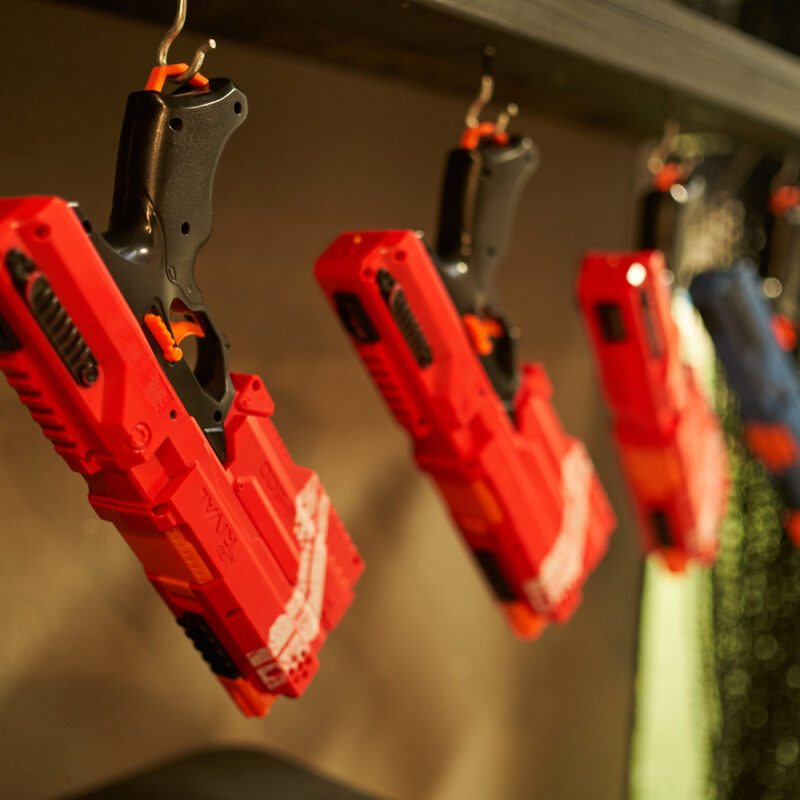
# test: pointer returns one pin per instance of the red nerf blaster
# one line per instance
(242, 544)
(428, 328)
(668, 438)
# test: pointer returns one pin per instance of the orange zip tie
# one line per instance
(668, 176)
(471, 137)
(159, 75)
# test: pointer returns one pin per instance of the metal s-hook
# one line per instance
(169, 38)
(666, 146)
(473, 117)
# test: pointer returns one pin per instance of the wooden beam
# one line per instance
(618, 63)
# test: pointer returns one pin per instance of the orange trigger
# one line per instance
(187, 328)
(481, 332)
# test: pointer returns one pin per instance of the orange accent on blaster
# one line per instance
(784, 331)
(653, 473)
(163, 336)
(675, 559)
(783, 199)
(524, 623)
(481, 332)
(792, 525)
(772, 443)
(172, 560)
(159, 75)
(474, 504)
(251, 701)
(487, 501)
(189, 555)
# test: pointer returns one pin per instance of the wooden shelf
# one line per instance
(615, 63)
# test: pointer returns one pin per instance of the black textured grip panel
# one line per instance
(481, 191)
(204, 640)
(610, 318)
(404, 318)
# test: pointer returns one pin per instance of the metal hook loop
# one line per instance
(169, 38)
(666, 146)
(511, 111)
(197, 62)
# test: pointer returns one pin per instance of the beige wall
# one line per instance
(423, 693)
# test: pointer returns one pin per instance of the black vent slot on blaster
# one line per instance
(649, 324)
(53, 318)
(354, 317)
(610, 318)
(8, 342)
(404, 318)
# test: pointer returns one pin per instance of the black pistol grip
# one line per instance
(168, 155)
(160, 218)
(479, 201)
